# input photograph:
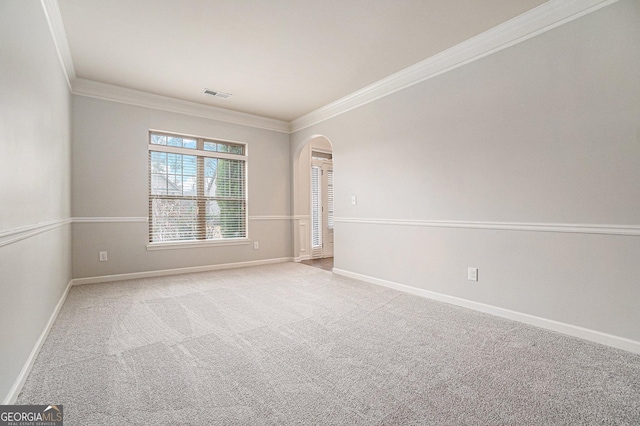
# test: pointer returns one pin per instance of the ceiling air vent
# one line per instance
(217, 94)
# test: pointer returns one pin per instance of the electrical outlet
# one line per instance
(256, 245)
(472, 274)
(354, 200)
(103, 256)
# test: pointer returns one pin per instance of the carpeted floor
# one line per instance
(294, 345)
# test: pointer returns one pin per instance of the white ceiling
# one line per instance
(279, 58)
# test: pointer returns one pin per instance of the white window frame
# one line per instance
(199, 152)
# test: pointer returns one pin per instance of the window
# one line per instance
(322, 156)
(197, 189)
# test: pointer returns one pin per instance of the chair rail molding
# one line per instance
(115, 219)
(628, 230)
(18, 234)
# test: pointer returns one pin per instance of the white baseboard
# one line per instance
(176, 271)
(571, 330)
(301, 258)
(28, 365)
(26, 369)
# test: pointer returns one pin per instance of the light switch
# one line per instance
(472, 274)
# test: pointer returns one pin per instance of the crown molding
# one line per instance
(56, 26)
(523, 27)
(95, 89)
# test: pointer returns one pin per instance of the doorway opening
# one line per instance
(313, 186)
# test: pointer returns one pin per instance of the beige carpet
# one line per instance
(296, 345)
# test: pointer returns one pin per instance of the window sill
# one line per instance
(196, 244)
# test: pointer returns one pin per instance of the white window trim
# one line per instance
(197, 152)
(171, 245)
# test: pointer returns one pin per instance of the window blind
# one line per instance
(197, 189)
(330, 198)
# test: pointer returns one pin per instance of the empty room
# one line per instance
(385, 212)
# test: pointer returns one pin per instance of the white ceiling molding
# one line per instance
(99, 90)
(94, 89)
(530, 24)
(54, 19)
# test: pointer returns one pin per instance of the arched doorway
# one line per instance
(313, 230)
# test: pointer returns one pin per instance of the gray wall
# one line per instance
(35, 140)
(110, 167)
(546, 131)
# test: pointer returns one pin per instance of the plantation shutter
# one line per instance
(330, 198)
(316, 213)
